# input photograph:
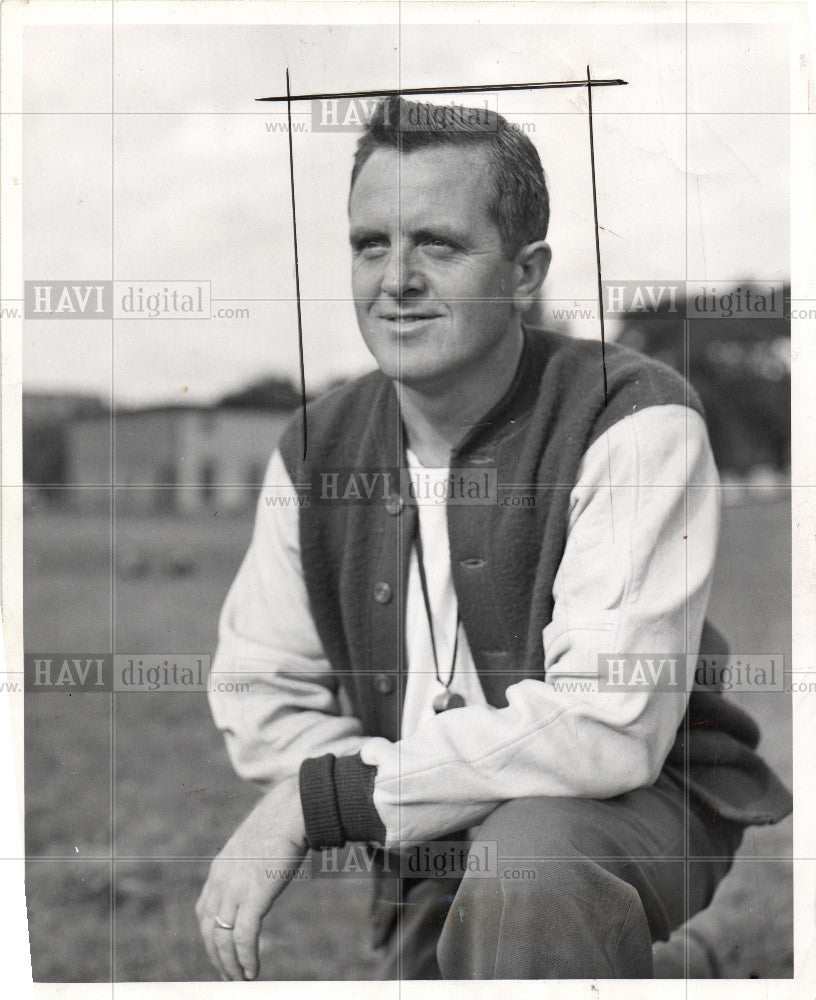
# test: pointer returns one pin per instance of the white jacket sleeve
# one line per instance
(634, 579)
(272, 690)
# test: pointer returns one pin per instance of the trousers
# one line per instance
(582, 888)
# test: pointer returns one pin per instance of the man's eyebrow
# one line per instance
(359, 234)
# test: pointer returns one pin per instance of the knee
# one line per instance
(549, 901)
(540, 918)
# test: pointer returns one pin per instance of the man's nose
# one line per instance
(401, 276)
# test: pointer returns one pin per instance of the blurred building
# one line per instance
(161, 458)
(182, 458)
(46, 415)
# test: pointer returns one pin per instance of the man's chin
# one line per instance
(427, 378)
(401, 363)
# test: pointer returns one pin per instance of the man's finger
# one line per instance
(212, 953)
(207, 926)
(225, 946)
(245, 937)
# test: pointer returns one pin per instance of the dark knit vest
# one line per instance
(356, 534)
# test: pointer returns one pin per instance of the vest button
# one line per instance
(384, 684)
(394, 504)
(382, 592)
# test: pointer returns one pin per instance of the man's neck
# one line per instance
(436, 421)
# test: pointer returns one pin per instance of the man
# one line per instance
(421, 671)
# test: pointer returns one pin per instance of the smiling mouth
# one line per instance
(406, 319)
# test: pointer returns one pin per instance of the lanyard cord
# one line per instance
(425, 597)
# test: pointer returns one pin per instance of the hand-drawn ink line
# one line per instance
(301, 357)
(597, 230)
(289, 97)
(475, 89)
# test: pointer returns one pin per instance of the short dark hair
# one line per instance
(520, 206)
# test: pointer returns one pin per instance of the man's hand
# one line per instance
(239, 890)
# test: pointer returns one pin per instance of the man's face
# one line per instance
(432, 286)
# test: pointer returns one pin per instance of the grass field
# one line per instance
(145, 778)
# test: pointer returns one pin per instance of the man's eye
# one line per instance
(370, 245)
(440, 243)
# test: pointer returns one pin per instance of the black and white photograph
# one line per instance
(407, 522)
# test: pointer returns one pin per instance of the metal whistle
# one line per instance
(446, 700)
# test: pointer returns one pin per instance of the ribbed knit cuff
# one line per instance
(337, 796)
(317, 797)
(354, 787)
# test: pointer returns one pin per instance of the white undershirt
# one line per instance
(422, 685)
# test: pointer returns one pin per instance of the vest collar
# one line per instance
(510, 411)
(499, 422)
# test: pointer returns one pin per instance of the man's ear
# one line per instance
(532, 264)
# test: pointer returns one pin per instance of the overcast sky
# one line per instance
(189, 180)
